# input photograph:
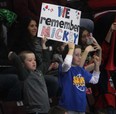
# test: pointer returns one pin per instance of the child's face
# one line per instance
(77, 57)
(30, 62)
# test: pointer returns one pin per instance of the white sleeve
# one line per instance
(95, 77)
(67, 63)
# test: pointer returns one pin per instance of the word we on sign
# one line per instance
(59, 23)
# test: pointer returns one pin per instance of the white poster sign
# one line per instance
(59, 23)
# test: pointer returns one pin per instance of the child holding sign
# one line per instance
(72, 80)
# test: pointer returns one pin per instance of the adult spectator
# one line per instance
(107, 86)
(104, 13)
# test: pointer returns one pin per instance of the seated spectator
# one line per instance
(58, 48)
